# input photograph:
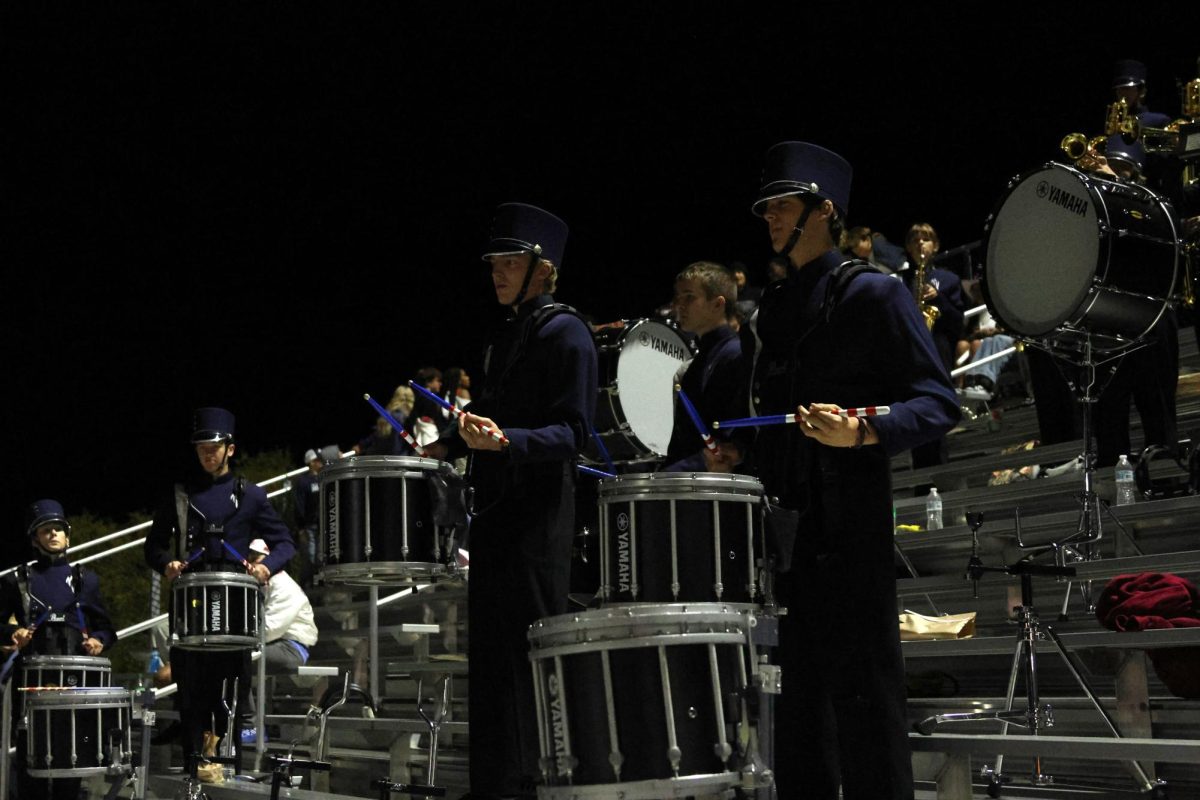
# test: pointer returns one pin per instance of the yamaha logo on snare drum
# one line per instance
(624, 555)
(661, 346)
(558, 731)
(1062, 198)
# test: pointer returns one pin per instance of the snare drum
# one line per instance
(1070, 255)
(377, 521)
(215, 611)
(66, 672)
(681, 537)
(643, 701)
(635, 411)
(77, 732)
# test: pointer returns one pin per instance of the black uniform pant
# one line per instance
(842, 717)
(200, 675)
(520, 571)
(1150, 376)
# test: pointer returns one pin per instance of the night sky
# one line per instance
(276, 210)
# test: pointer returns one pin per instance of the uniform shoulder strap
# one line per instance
(23, 588)
(181, 514)
(839, 279)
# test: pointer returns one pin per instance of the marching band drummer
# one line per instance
(213, 506)
(523, 432)
(837, 333)
(715, 380)
(59, 612)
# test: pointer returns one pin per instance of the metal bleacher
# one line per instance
(1160, 731)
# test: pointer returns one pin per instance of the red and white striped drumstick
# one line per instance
(395, 423)
(792, 419)
(457, 412)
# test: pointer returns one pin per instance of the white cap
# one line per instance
(259, 546)
(310, 456)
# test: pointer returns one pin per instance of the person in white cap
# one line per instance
(288, 618)
(291, 630)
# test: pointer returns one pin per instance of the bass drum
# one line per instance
(635, 411)
(1070, 255)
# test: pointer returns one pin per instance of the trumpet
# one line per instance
(1078, 146)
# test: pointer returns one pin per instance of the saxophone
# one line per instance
(928, 310)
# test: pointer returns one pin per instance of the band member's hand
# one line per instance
(260, 573)
(22, 637)
(929, 292)
(1191, 227)
(470, 427)
(173, 569)
(92, 646)
(436, 450)
(727, 457)
(823, 423)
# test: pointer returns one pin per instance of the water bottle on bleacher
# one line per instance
(933, 510)
(1126, 488)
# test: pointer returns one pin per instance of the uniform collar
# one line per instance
(526, 309)
(715, 337)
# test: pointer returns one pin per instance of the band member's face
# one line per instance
(1132, 95)
(921, 242)
(52, 537)
(214, 457)
(862, 247)
(695, 311)
(781, 216)
(508, 274)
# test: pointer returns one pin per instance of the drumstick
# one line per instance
(603, 450)
(599, 473)
(237, 556)
(8, 664)
(699, 423)
(395, 423)
(791, 419)
(457, 412)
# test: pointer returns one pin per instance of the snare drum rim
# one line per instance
(681, 486)
(378, 467)
(84, 696)
(615, 623)
(224, 578)
(86, 663)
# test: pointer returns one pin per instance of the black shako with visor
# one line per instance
(798, 168)
(521, 228)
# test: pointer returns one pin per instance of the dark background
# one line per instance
(277, 210)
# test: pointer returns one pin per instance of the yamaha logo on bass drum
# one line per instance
(660, 345)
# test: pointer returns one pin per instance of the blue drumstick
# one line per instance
(699, 423)
(8, 664)
(791, 419)
(229, 548)
(599, 473)
(456, 411)
(395, 423)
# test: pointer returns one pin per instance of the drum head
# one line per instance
(652, 353)
(1043, 250)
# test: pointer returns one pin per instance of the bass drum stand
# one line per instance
(1081, 546)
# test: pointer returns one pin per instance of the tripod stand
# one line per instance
(1036, 716)
(1082, 544)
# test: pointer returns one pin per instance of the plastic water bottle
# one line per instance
(933, 510)
(1126, 488)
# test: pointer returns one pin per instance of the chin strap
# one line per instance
(534, 257)
(797, 231)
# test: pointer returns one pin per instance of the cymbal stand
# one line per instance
(1036, 716)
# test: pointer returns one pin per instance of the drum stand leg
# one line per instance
(1035, 715)
(434, 722)
(5, 739)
